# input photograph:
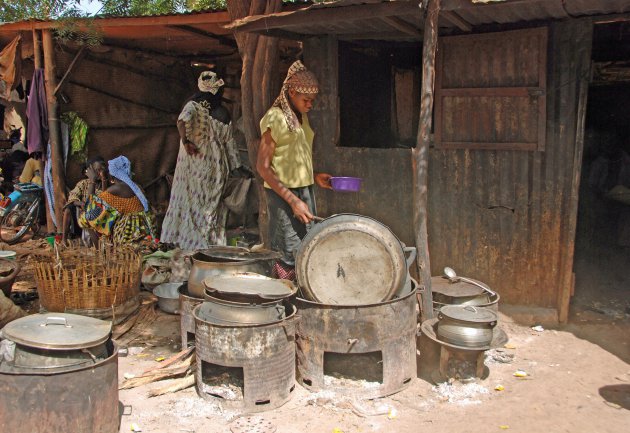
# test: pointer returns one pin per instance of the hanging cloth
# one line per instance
(37, 113)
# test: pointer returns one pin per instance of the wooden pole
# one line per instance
(37, 57)
(420, 156)
(37, 49)
(54, 126)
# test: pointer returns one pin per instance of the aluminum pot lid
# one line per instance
(460, 288)
(250, 284)
(350, 260)
(468, 313)
(58, 331)
(220, 252)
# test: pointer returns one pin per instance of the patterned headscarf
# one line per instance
(302, 81)
(120, 168)
(209, 82)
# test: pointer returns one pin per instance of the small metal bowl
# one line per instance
(168, 297)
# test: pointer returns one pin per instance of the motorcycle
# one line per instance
(19, 212)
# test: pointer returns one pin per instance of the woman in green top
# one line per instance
(285, 162)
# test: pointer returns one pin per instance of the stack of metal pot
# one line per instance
(355, 299)
(59, 371)
(466, 311)
(215, 261)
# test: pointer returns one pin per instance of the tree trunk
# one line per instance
(260, 71)
(420, 156)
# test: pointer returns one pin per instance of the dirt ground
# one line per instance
(578, 380)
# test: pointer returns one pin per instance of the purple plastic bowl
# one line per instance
(350, 184)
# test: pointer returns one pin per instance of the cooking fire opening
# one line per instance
(367, 367)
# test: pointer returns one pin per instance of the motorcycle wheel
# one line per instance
(17, 222)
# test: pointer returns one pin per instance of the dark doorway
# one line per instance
(602, 250)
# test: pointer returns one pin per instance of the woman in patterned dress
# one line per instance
(196, 215)
(121, 212)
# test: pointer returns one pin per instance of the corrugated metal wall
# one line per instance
(504, 217)
(508, 217)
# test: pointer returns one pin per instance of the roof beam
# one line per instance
(453, 5)
(223, 40)
(403, 26)
(328, 15)
(456, 20)
(168, 20)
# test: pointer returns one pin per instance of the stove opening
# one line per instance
(223, 382)
(341, 368)
(190, 338)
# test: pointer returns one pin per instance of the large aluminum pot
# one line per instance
(222, 260)
(466, 326)
(222, 312)
(349, 259)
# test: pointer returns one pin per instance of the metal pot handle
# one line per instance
(412, 255)
(55, 320)
(470, 308)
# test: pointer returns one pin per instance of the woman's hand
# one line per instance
(323, 180)
(301, 211)
(91, 174)
(190, 147)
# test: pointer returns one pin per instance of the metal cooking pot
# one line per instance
(58, 341)
(226, 260)
(466, 326)
(168, 297)
(446, 292)
(249, 288)
(29, 357)
(224, 312)
(349, 259)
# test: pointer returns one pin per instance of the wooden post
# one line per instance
(37, 49)
(420, 156)
(54, 126)
(37, 57)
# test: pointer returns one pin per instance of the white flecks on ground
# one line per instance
(460, 393)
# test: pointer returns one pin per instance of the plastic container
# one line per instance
(346, 184)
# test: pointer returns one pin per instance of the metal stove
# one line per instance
(461, 362)
(364, 351)
(252, 364)
(187, 304)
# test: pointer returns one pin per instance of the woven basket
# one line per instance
(87, 279)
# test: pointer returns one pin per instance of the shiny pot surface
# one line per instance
(224, 312)
(466, 326)
(230, 260)
(46, 359)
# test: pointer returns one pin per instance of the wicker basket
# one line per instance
(88, 279)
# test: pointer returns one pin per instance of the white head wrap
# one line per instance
(209, 82)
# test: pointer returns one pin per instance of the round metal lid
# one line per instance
(234, 253)
(350, 260)
(58, 331)
(250, 284)
(460, 288)
(468, 313)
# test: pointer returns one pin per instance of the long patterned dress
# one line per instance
(196, 215)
